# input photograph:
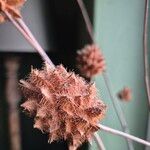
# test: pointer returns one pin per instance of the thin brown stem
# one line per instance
(145, 48)
(115, 103)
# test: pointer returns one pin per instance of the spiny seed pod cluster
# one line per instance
(125, 94)
(90, 61)
(11, 6)
(62, 104)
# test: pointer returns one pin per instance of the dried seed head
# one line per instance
(125, 94)
(90, 61)
(11, 6)
(66, 106)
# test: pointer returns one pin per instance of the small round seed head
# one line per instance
(90, 61)
(125, 94)
(68, 107)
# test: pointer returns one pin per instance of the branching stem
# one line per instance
(116, 105)
(125, 135)
(20, 25)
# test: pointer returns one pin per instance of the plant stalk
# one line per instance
(116, 105)
(145, 48)
(99, 141)
(146, 62)
(122, 134)
(24, 30)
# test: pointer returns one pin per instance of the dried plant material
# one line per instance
(2, 18)
(11, 6)
(15, 3)
(125, 94)
(63, 105)
(90, 61)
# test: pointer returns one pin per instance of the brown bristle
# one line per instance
(41, 124)
(42, 112)
(93, 111)
(30, 107)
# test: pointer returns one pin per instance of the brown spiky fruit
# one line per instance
(11, 6)
(90, 61)
(125, 94)
(63, 105)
